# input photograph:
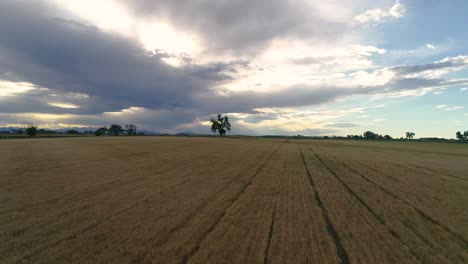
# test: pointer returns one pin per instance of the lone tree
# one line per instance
(31, 130)
(409, 135)
(220, 125)
(115, 130)
(131, 129)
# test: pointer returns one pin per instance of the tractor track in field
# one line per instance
(186, 259)
(418, 210)
(103, 186)
(379, 172)
(99, 186)
(428, 174)
(101, 221)
(342, 254)
(81, 230)
(160, 239)
(406, 150)
(394, 196)
(273, 219)
(366, 206)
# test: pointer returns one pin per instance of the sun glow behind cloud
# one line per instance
(8, 88)
(155, 34)
(64, 105)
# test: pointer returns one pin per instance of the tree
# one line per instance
(409, 135)
(73, 132)
(388, 137)
(462, 136)
(31, 130)
(115, 130)
(370, 135)
(131, 129)
(220, 125)
(101, 131)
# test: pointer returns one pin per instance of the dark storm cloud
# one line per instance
(70, 57)
(67, 56)
(242, 25)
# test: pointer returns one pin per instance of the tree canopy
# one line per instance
(462, 136)
(131, 129)
(31, 130)
(220, 124)
(115, 130)
(409, 135)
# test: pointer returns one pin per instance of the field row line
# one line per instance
(380, 187)
(187, 258)
(418, 210)
(364, 204)
(374, 148)
(273, 217)
(342, 254)
(431, 175)
(186, 219)
(98, 222)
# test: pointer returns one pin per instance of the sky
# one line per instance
(275, 67)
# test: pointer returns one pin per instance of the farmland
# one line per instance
(232, 200)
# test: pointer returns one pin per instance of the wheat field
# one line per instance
(232, 200)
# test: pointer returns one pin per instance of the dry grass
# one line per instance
(210, 200)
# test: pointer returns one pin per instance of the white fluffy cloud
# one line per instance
(379, 15)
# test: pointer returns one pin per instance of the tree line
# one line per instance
(463, 136)
(372, 135)
(112, 130)
(219, 124)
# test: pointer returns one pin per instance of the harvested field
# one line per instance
(232, 200)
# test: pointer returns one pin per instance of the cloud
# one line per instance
(430, 46)
(59, 70)
(64, 105)
(448, 64)
(344, 124)
(463, 89)
(15, 88)
(428, 50)
(241, 26)
(75, 58)
(378, 15)
(449, 108)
